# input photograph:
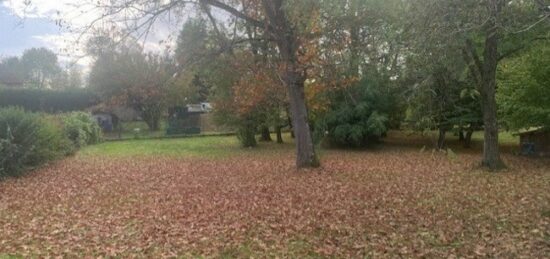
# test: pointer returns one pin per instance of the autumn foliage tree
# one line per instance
(260, 92)
(282, 22)
(130, 78)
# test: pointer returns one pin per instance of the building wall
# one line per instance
(541, 141)
(105, 121)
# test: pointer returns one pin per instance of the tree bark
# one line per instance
(441, 139)
(265, 134)
(279, 131)
(290, 126)
(305, 152)
(484, 73)
(491, 153)
(294, 77)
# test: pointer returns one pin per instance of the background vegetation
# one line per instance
(28, 139)
(48, 100)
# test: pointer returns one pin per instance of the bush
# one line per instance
(28, 140)
(81, 129)
(358, 115)
(12, 155)
(353, 126)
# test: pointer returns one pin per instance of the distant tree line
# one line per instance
(38, 68)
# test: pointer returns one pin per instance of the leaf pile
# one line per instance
(384, 203)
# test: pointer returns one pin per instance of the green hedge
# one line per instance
(28, 139)
(44, 100)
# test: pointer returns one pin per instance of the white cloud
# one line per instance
(35, 8)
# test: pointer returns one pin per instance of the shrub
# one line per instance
(353, 126)
(81, 129)
(12, 155)
(360, 114)
(28, 140)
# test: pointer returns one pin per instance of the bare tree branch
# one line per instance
(234, 12)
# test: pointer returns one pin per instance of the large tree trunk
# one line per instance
(294, 77)
(265, 135)
(441, 139)
(491, 154)
(305, 152)
(279, 131)
(290, 125)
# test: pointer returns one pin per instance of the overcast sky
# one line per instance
(17, 34)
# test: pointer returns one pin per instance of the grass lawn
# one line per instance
(128, 131)
(197, 147)
(207, 197)
(191, 147)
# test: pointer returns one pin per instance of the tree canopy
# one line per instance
(524, 92)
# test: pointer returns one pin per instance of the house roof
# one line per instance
(200, 107)
(530, 130)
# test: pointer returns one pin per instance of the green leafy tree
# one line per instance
(12, 72)
(194, 52)
(362, 41)
(524, 93)
(75, 78)
(40, 66)
(60, 80)
(485, 32)
(444, 101)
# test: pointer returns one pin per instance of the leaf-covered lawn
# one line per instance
(388, 202)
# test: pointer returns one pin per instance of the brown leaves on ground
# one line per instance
(384, 203)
